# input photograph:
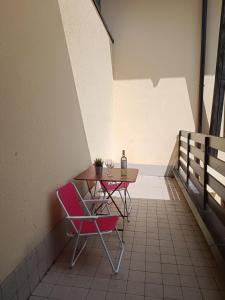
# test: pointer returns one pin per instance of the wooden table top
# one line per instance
(115, 173)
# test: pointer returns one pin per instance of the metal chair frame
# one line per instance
(78, 233)
(127, 207)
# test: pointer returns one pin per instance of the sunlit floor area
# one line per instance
(152, 187)
(166, 255)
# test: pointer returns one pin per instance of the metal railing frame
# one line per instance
(203, 149)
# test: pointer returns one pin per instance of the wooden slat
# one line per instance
(183, 151)
(218, 209)
(217, 143)
(183, 155)
(184, 133)
(216, 186)
(197, 168)
(196, 183)
(184, 168)
(217, 164)
(183, 144)
(198, 137)
(197, 153)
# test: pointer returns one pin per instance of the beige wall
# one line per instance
(213, 24)
(89, 49)
(43, 143)
(156, 71)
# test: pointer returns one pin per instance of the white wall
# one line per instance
(43, 143)
(89, 49)
(156, 59)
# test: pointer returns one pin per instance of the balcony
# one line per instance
(166, 255)
(82, 79)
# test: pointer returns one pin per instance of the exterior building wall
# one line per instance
(90, 55)
(156, 60)
(43, 143)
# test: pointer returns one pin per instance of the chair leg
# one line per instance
(120, 195)
(122, 198)
(114, 268)
(75, 256)
(125, 204)
(108, 209)
(130, 206)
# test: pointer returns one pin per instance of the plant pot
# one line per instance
(98, 170)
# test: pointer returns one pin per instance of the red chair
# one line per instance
(85, 224)
(118, 187)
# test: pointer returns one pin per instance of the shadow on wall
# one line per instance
(55, 209)
(156, 40)
(159, 42)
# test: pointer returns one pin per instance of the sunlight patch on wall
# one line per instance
(146, 119)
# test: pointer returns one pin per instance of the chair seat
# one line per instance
(104, 224)
(113, 186)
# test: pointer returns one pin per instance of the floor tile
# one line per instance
(96, 295)
(51, 277)
(191, 293)
(189, 281)
(43, 290)
(117, 285)
(100, 284)
(77, 293)
(172, 292)
(137, 265)
(153, 267)
(207, 283)
(169, 269)
(134, 297)
(186, 270)
(115, 296)
(154, 278)
(136, 288)
(211, 295)
(136, 276)
(154, 290)
(168, 259)
(60, 292)
(171, 279)
(37, 298)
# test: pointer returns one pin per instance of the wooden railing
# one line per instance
(201, 166)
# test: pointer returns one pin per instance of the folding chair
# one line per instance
(85, 225)
(118, 187)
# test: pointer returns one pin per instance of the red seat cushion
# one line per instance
(104, 224)
(112, 186)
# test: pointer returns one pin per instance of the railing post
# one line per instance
(188, 157)
(205, 177)
(178, 161)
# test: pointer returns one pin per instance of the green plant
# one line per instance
(98, 162)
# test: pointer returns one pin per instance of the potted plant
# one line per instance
(98, 166)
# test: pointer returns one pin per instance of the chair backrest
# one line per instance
(70, 201)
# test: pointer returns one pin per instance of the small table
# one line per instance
(115, 176)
